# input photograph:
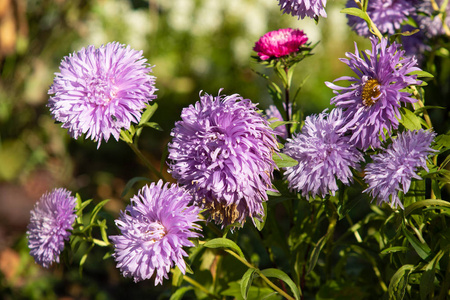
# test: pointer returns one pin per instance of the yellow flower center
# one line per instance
(370, 92)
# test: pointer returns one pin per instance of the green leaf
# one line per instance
(97, 209)
(419, 204)
(284, 277)
(260, 224)
(421, 73)
(81, 205)
(316, 252)
(148, 113)
(423, 250)
(131, 183)
(153, 125)
(224, 243)
(394, 249)
(283, 161)
(246, 282)
(179, 293)
(409, 119)
(442, 141)
(399, 281)
(356, 12)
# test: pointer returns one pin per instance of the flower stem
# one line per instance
(146, 162)
(270, 283)
(199, 286)
(286, 96)
(371, 23)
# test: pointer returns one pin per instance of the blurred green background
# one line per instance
(195, 45)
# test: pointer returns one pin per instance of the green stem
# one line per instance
(270, 283)
(146, 162)
(198, 286)
(372, 24)
(286, 95)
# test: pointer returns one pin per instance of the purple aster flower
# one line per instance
(323, 155)
(273, 112)
(386, 14)
(280, 43)
(392, 170)
(154, 229)
(416, 44)
(304, 8)
(100, 91)
(429, 24)
(371, 103)
(222, 151)
(51, 219)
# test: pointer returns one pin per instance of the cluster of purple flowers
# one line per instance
(222, 149)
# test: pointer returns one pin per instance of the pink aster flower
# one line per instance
(280, 43)
(101, 90)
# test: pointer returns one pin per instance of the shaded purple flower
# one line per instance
(154, 229)
(304, 8)
(416, 44)
(393, 169)
(371, 103)
(430, 24)
(222, 151)
(324, 156)
(386, 14)
(280, 43)
(101, 90)
(273, 112)
(51, 219)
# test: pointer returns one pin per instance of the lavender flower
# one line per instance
(323, 155)
(279, 43)
(51, 218)
(154, 229)
(371, 103)
(392, 170)
(100, 91)
(222, 151)
(386, 14)
(304, 8)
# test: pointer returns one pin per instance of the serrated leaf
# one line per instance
(283, 161)
(409, 119)
(356, 12)
(224, 243)
(276, 273)
(246, 282)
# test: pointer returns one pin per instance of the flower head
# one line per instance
(393, 169)
(304, 8)
(280, 43)
(430, 24)
(323, 154)
(222, 151)
(386, 14)
(101, 90)
(371, 103)
(51, 218)
(154, 229)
